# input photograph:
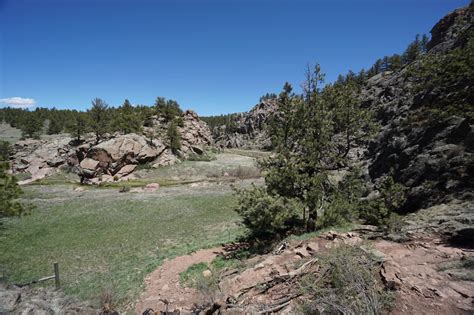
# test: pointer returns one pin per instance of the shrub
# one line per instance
(265, 214)
(4, 150)
(338, 212)
(246, 172)
(207, 287)
(347, 284)
(344, 202)
(381, 211)
(205, 157)
(10, 191)
(124, 189)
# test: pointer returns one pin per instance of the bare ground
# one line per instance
(424, 274)
(163, 283)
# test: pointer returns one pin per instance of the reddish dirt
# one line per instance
(163, 283)
(415, 269)
(420, 272)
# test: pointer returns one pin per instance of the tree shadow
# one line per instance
(463, 239)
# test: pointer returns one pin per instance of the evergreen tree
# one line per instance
(312, 135)
(9, 194)
(99, 118)
(31, 126)
(55, 125)
(396, 62)
(424, 43)
(78, 126)
(4, 150)
(174, 138)
(127, 120)
(168, 109)
(413, 50)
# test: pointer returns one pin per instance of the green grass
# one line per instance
(104, 239)
(249, 153)
(187, 172)
(306, 236)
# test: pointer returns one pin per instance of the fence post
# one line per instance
(56, 275)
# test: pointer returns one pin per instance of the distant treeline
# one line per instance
(99, 119)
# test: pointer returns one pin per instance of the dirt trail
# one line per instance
(163, 283)
(426, 275)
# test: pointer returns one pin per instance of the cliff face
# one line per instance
(249, 131)
(427, 146)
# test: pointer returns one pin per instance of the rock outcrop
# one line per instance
(434, 160)
(250, 128)
(113, 159)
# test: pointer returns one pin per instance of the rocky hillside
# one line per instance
(426, 138)
(113, 159)
(426, 129)
(249, 131)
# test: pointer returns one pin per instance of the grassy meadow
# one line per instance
(107, 240)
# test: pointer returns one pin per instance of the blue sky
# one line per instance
(212, 56)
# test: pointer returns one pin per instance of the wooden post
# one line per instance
(56, 275)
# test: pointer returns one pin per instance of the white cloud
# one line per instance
(18, 102)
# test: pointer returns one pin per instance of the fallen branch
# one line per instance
(275, 308)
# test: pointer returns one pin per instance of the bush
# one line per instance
(339, 212)
(347, 284)
(244, 172)
(10, 191)
(124, 189)
(207, 287)
(205, 157)
(4, 150)
(382, 211)
(265, 214)
(344, 202)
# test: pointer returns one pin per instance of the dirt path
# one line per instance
(426, 275)
(163, 283)
(429, 277)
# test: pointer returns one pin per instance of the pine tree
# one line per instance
(78, 126)
(55, 125)
(424, 43)
(31, 126)
(9, 193)
(312, 135)
(127, 120)
(413, 51)
(99, 118)
(174, 138)
(168, 109)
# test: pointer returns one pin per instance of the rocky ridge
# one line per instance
(113, 159)
(435, 160)
(250, 131)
